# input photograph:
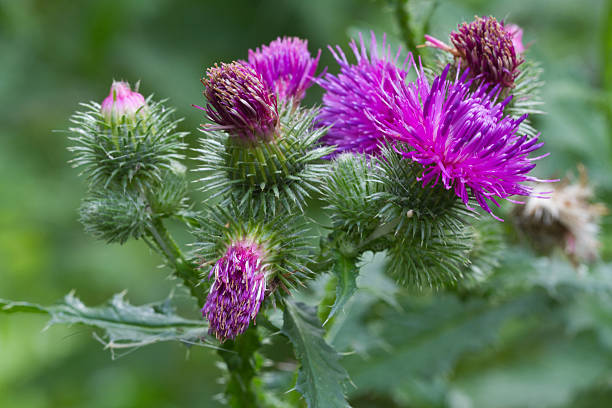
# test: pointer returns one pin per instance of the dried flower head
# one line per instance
(286, 67)
(237, 291)
(461, 138)
(240, 103)
(568, 219)
(487, 48)
(356, 89)
(121, 103)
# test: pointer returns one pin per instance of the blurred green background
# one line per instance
(55, 53)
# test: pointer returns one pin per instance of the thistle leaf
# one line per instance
(414, 337)
(321, 379)
(123, 325)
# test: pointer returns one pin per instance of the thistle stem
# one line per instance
(403, 21)
(183, 268)
(240, 356)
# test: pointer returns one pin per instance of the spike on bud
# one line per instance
(240, 103)
(286, 67)
(237, 291)
(121, 103)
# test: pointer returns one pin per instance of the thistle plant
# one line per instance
(407, 160)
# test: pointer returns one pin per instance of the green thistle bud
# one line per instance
(269, 175)
(121, 145)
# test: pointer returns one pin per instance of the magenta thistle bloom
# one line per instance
(237, 292)
(121, 102)
(356, 89)
(240, 103)
(462, 138)
(286, 66)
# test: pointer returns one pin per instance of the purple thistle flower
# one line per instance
(357, 89)
(237, 292)
(487, 48)
(462, 138)
(121, 102)
(286, 67)
(240, 103)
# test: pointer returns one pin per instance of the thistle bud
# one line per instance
(240, 103)
(122, 103)
(286, 67)
(487, 48)
(255, 257)
(237, 291)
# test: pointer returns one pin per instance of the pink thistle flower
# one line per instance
(121, 102)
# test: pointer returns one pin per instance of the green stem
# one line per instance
(184, 269)
(403, 21)
(243, 362)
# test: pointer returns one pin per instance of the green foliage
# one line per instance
(346, 271)
(415, 336)
(124, 326)
(126, 155)
(321, 378)
(270, 177)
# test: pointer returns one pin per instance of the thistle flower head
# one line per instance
(237, 291)
(356, 88)
(121, 103)
(286, 67)
(488, 50)
(240, 103)
(461, 138)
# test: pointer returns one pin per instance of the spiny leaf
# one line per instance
(124, 325)
(321, 378)
(427, 339)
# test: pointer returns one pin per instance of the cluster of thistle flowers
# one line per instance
(386, 136)
(454, 128)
